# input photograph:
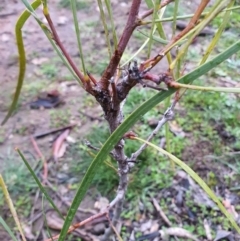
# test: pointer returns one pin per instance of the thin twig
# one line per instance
(85, 83)
(89, 145)
(207, 230)
(45, 167)
(168, 115)
(161, 213)
(150, 63)
(92, 78)
(149, 12)
(113, 228)
(80, 224)
(150, 86)
(34, 205)
(49, 132)
(67, 203)
(90, 116)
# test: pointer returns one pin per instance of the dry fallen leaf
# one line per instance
(179, 232)
(176, 129)
(222, 234)
(230, 208)
(28, 232)
(101, 204)
(59, 146)
(39, 61)
(54, 221)
(62, 20)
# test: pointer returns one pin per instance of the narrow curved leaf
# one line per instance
(197, 179)
(11, 207)
(128, 123)
(22, 57)
(188, 16)
(103, 18)
(40, 186)
(7, 228)
(109, 8)
(76, 25)
(209, 88)
(218, 34)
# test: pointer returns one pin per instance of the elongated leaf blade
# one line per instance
(76, 25)
(11, 207)
(128, 123)
(7, 228)
(218, 34)
(40, 186)
(197, 179)
(22, 57)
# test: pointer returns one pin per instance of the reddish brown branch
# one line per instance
(78, 225)
(127, 33)
(85, 83)
(149, 12)
(92, 78)
(45, 167)
(150, 63)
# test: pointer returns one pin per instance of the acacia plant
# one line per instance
(117, 80)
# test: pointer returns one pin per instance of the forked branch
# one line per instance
(126, 35)
(85, 81)
(150, 63)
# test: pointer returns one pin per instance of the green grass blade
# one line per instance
(11, 207)
(149, 3)
(44, 3)
(210, 88)
(187, 16)
(74, 11)
(197, 179)
(43, 190)
(48, 34)
(136, 53)
(103, 18)
(22, 57)
(218, 34)
(154, 16)
(45, 219)
(30, 7)
(176, 3)
(109, 8)
(157, 39)
(128, 123)
(7, 228)
(21, 52)
(161, 32)
(216, 9)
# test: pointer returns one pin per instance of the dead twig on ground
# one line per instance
(41, 156)
(53, 131)
(80, 224)
(161, 213)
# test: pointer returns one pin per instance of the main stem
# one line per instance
(114, 119)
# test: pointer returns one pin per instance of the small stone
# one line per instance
(98, 229)
(62, 20)
(5, 37)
